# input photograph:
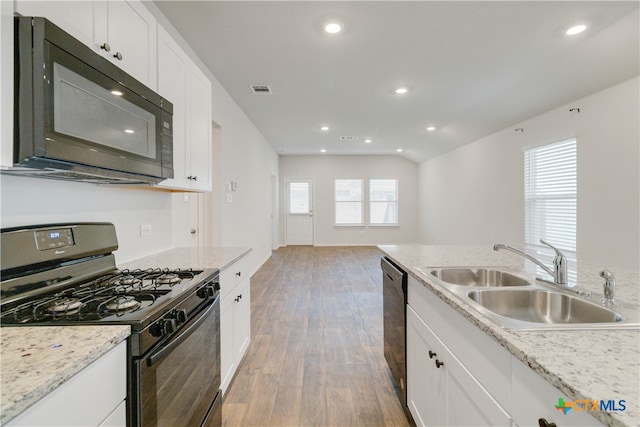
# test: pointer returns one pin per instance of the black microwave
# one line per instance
(77, 116)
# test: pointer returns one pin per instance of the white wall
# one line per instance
(325, 169)
(474, 195)
(27, 201)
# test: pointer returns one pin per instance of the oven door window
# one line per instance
(179, 381)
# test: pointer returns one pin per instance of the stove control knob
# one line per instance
(206, 291)
(180, 316)
(168, 327)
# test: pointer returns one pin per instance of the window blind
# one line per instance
(383, 201)
(551, 201)
(348, 201)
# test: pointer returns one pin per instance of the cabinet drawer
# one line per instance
(485, 358)
(233, 275)
(534, 398)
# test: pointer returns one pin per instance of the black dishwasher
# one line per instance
(394, 297)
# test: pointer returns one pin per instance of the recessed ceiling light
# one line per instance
(323, 151)
(324, 128)
(129, 131)
(431, 128)
(333, 28)
(116, 92)
(576, 30)
(401, 90)
(367, 141)
(399, 150)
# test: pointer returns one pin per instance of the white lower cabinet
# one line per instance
(535, 399)
(93, 397)
(235, 318)
(441, 391)
(476, 382)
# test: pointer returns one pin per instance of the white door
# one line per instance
(299, 216)
(274, 213)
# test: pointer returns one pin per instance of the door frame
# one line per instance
(285, 214)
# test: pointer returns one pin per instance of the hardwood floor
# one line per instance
(316, 353)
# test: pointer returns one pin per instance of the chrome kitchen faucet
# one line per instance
(559, 273)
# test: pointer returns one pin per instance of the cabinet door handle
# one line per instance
(118, 56)
(239, 273)
(439, 363)
(106, 47)
(431, 354)
(544, 423)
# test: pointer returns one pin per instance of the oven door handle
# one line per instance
(162, 352)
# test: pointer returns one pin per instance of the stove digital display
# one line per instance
(54, 239)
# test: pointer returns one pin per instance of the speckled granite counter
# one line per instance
(583, 364)
(213, 257)
(34, 361)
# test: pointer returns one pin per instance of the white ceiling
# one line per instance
(472, 68)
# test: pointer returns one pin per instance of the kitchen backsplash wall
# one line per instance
(28, 201)
(474, 195)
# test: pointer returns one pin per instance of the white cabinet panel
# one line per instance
(87, 399)
(534, 398)
(125, 27)
(441, 391)
(131, 33)
(75, 17)
(189, 90)
(200, 144)
(235, 318)
(426, 386)
(173, 67)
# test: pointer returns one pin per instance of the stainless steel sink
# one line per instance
(478, 277)
(543, 306)
(514, 301)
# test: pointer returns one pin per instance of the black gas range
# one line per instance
(65, 274)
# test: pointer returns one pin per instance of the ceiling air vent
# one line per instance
(261, 89)
(348, 138)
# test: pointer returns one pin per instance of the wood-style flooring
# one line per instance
(316, 353)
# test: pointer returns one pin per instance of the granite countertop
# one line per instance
(583, 364)
(196, 258)
(34, 361)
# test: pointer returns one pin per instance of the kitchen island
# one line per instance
(581, 364)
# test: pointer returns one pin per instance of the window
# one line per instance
(383, 201)
(551, 200)
(299, 198)
(348, 198)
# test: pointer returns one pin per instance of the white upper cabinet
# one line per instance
(75, 17)
(122, 31)
(189, 90)
(131, 34)
(200, 122)
(173, 66)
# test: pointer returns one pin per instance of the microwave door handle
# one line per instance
(164, 351)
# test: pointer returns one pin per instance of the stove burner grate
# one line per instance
(121, 303)
(65, 306)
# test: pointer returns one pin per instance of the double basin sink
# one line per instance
(516, 302)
